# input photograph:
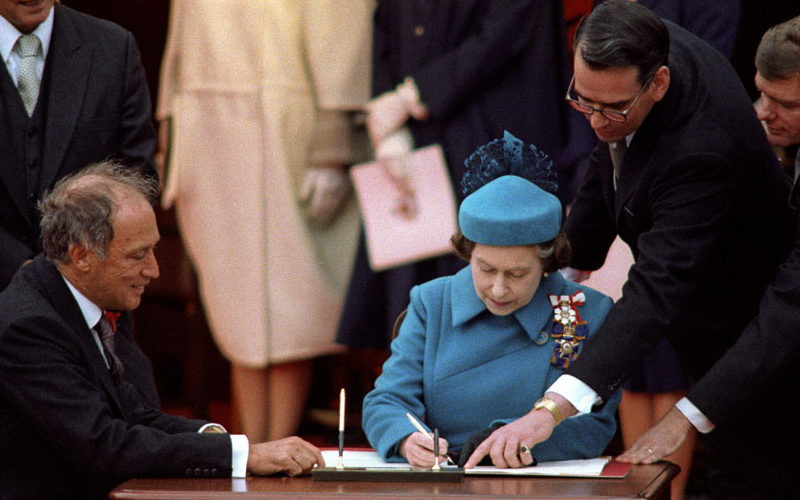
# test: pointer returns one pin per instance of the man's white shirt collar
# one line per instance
(91, 312)
(10, 34)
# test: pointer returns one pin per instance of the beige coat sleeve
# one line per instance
(338, 41)
(338, 37)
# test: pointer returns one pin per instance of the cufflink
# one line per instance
(212, 429)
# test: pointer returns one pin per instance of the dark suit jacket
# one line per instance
(66, 429)
(98, 107)
(702, 203)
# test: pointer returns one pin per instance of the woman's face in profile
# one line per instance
(505, 277)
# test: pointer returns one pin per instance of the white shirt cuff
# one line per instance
(580, 395)
(695, 416)
(240, 447)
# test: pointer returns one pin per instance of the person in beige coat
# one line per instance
(255, 105)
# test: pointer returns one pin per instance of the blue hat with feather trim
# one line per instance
(502, 207)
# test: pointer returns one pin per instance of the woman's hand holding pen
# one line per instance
(418, 449)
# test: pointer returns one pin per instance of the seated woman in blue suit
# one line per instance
(478, 349)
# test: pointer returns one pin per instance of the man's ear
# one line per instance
(81, 257)
(660, 83)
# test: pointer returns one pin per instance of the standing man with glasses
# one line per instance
(683, 173)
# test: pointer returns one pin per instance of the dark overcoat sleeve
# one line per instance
(764, 357)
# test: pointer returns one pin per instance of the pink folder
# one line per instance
(408, 207)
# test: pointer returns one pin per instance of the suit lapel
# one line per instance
(65, 304)
(69, 62)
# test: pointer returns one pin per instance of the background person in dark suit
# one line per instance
(700, 200)
(92, 104)
(78, 405)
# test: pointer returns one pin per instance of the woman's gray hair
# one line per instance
(619, 34)
(80, 208)
(778, 54)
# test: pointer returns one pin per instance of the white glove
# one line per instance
(396, 144)
(390, 110)
(386, 113)
(323, 192)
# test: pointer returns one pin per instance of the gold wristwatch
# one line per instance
(549, 405)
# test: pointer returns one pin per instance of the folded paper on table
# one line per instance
(602, 467)
(408, 207)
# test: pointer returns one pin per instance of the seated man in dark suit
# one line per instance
(78, 406)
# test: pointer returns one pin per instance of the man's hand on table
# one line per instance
(659, 441)
(292, 456)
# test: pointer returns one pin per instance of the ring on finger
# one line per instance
(524, 449)
(650, 451)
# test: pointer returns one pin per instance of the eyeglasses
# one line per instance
(611, 114)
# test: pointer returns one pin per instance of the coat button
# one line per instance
(187, 472)
(198, 472)
(214, 472)
(419, 30)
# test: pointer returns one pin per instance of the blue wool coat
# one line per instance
(460, 368)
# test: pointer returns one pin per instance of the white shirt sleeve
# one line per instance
(695, 416)
(241, 448)
(580, 395)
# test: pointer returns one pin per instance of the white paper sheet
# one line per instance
(590, 467)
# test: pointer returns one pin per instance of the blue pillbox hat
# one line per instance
(510, 211)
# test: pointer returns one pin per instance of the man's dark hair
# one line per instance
(778, 54)
(618, 34)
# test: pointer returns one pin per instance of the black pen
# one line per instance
(419, 427)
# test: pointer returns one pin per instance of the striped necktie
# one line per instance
(107, 339)
(617, 151)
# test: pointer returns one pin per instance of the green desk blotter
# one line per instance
(447, 474)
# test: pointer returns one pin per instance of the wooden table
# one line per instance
(643, 481)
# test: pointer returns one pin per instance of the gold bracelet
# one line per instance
(549, 405)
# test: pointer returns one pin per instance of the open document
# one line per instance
(602, 467)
